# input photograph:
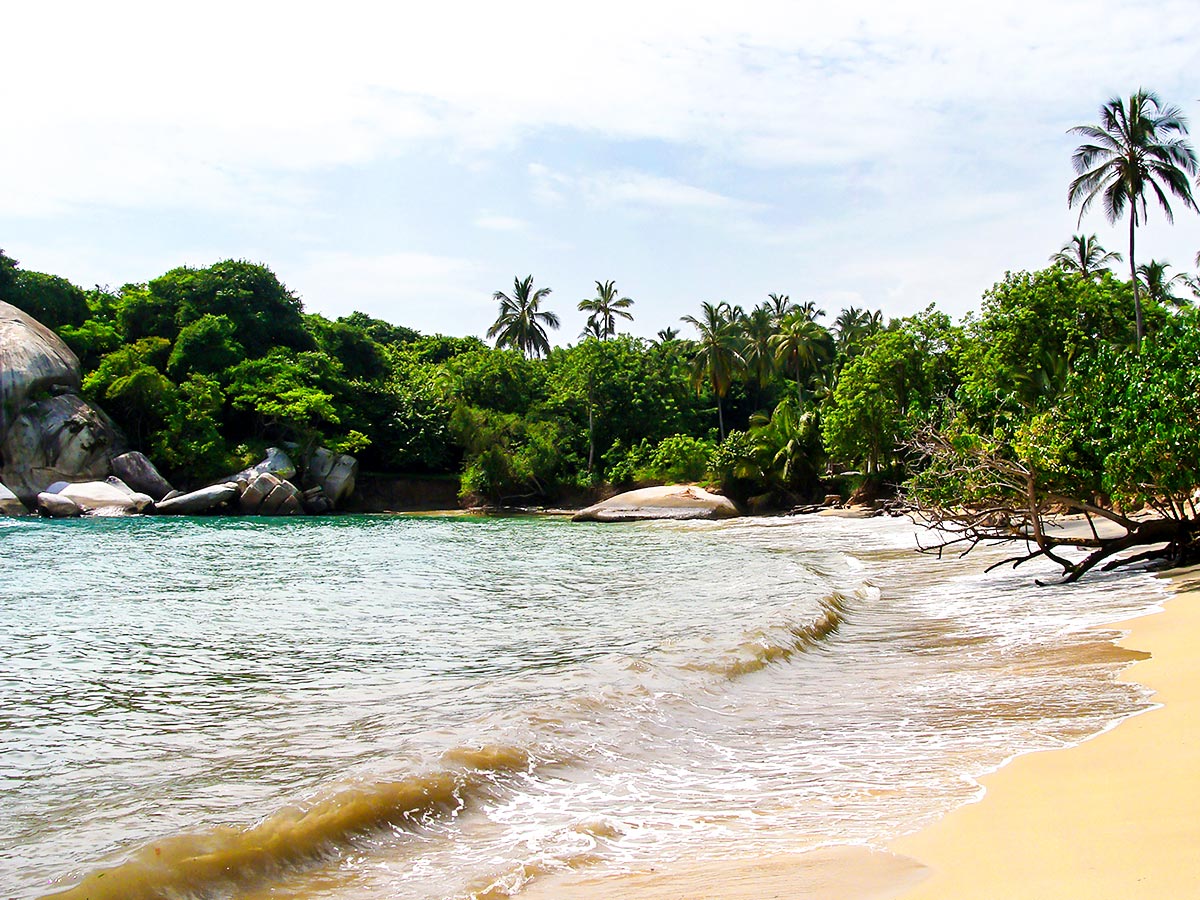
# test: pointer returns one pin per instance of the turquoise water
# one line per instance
(421, 707)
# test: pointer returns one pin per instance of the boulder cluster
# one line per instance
(63, 457)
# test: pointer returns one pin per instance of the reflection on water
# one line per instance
(444, 707)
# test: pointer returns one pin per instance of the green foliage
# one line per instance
(289, 393)
(129, 383)
(205, 347)
(903, 375)
(1032, 329)
(53, 301)
(503, 380)
(676, 458)
(361, 356)
(190, 442)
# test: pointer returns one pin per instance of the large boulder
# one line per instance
(47, 432)
(139, 473)
(56, 506)
(673, 501)
(33, 361)
(198, 502)
(269, 495)
(333, 473)
(60, 438)
(104, 497)
(277, 463)
(9, 504)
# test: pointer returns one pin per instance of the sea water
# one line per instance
(448, 707)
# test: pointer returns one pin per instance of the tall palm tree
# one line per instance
(802, 345)
(810, 311)
(1137, 148)
(781, 305)
(853, 326)
(521, 325)
(1083, 254)
(1158, 286)
(758, 327)
(605, 307)
(718, 354)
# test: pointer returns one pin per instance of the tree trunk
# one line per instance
(720, 417)
(1137, 300)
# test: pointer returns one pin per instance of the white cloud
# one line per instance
(497, 222)
(424, 291)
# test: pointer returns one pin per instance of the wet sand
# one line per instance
(1113, 817)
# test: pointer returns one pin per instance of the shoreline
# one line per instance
(1110, 817)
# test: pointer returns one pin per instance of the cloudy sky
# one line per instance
(407, 160)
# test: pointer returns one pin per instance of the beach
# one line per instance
(1112, 817)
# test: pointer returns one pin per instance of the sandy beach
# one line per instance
(1113, 817)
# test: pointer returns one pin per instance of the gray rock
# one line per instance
(668, 502)
(59, 438)
(284, 500)
(103, 497)
(33, 361)
(56, 506)
(10, 505)
(315, 502)
(139, 473)
(333, 473)
(278, 463)
(256, 492)
(204, 500)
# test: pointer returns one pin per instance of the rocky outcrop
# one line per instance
(105, 497)
(669, 502)
(47, 431)
(205, 500)
(57, 506)
(139, 473)
(59, 438)
(10, 505)
(33, 362)
(333, 473)
(277, 463)
(269, 495)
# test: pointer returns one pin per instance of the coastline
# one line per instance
(1111, 817)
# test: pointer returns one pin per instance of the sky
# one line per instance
(408, 161)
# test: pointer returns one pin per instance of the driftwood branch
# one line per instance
(1010, 505)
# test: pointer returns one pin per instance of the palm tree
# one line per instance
(1083, 254)
(666, 335)
(810, 311)
(520, 323)
(853, 326)
(781, 305)
(757, 329)
(1135, 149)
(801, 344)
(605, 307)
(718, 355)
(1159, 287)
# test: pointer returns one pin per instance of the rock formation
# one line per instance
(139, 473)
(673, 501)
(48, 432)
(10, 505)
(205, 500)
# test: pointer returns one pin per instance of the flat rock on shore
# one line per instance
(672, 501)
